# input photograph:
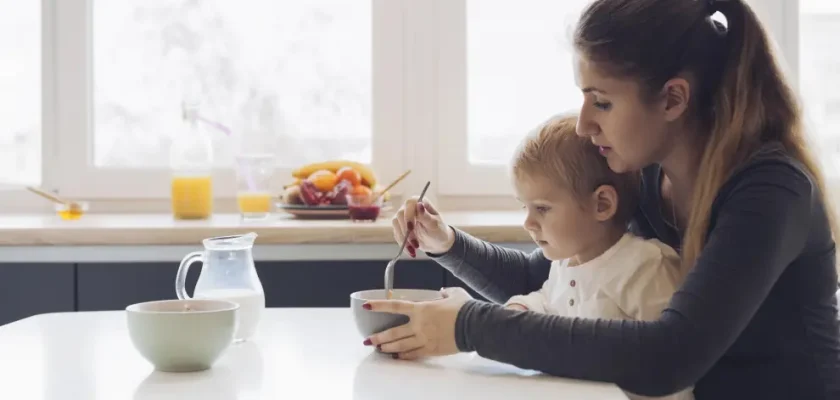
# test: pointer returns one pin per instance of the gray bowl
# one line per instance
(371, 322)
(182, 335)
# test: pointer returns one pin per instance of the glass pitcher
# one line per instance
(228, 273)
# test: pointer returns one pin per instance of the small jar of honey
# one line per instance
(71, 211)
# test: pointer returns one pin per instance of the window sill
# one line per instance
(120, 238)
(162, 229)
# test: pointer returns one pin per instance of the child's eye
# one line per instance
(542, 209)
(602, 106)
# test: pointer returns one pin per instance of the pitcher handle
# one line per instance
(181, 277)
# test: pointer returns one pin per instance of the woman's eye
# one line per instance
(542, 209)
(602, 106)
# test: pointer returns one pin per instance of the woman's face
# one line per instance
(630, 132)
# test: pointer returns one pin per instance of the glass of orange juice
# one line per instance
(253, 181)
(192, 196)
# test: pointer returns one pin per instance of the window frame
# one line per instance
(14, 198)
(72, 165)
(457, 176)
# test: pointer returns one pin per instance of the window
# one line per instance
(508, 67)
(288, 77)
(446, 88)
(519, 72)
(20, 92)
(819, 71)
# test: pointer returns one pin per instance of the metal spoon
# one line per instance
(389, 269)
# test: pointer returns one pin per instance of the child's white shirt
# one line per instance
(632, 280)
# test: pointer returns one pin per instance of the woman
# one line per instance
(727, 178)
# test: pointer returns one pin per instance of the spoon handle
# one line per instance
(391, 186)
(389, 269)
(47, 195)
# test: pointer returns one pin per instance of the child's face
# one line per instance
(563, 226)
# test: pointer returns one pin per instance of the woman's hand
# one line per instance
(424, 226)
(430, 330)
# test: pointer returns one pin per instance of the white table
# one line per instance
(297, 353)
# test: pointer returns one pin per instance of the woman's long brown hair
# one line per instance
(740, 95)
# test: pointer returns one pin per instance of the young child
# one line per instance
(578, 212)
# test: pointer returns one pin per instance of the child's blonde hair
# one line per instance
(555, 151)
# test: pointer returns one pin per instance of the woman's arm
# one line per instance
(495, 272)
(760, 227)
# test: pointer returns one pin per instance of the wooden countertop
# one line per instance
(162, 229)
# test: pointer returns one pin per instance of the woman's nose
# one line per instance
(586, 127)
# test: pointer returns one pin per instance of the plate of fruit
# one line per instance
(321, 190)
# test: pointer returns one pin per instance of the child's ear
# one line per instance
(605, 199)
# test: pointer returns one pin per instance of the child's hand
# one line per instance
(424, 227)
(455, 293)
(518, 307)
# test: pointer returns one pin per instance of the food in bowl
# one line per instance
(328, 183)
(71, 211)
(364, 207)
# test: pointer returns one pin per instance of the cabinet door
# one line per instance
(32, 289)
(114, 286)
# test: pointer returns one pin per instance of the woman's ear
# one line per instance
(676, 93)
(605, 199)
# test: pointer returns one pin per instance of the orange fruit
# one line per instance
(323, 180)
(350, 175)
(361, 190)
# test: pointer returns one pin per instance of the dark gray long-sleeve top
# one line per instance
(756, 318)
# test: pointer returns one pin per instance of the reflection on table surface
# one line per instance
(300, 353)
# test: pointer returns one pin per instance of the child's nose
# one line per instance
(530, 224)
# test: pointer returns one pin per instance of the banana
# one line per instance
(295, 182)
(368, 176)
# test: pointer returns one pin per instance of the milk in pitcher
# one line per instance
(228, 273)
(251, 303)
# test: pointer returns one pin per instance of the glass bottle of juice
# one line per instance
(191, 162)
